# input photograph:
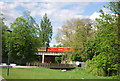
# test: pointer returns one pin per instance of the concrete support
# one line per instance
(43, 58)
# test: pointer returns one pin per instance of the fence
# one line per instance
(52, 65)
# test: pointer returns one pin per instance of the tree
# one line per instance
(59, 45)
(46, 31)
(4, 36)
(34, 27)
(107, 46)
(75, 33)
(24, 37)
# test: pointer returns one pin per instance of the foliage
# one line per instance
(58, 60)
(46, 31)
(107, 53)
(91, 49)
(24, 39)
(116, 77)
(60, 45)
(75, 33)
(4, 35)
(76, 57)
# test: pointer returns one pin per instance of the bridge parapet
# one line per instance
(49, 53)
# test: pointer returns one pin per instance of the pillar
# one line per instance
(43, 57)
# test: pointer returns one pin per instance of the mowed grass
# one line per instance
(45, 73)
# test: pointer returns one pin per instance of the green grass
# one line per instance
(44, 73)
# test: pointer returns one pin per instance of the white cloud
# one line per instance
(61, 15)
(95, 15)
(58, 0)
(20, 0)
(51, 44)
(1, 3)
(53, 10)
(9, 12)
(57, 12)
(76, 0)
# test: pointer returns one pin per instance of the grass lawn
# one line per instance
(44, 73)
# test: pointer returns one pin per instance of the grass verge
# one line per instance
(45, 73)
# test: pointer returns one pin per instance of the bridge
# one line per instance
(48, 54)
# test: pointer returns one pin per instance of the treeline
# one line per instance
(27, 35)
(95, 42)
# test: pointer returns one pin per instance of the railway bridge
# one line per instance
(48, 54)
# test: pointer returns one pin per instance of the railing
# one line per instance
(52, 65)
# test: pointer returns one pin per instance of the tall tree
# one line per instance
(33, 26)
(24, 37)
(75, 33)
(75, 30)
(46, 31)
(107, 46)
(4, 35)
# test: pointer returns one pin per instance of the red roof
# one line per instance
(62, 49)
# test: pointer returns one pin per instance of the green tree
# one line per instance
(59, 45)
(4, 36)
(24, 39)
(75, 33)
(107, 46)
(34, 27)
(46, 31)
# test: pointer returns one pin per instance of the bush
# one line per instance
(58, 59)
(101, 65)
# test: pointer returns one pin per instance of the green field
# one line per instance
(44, 73)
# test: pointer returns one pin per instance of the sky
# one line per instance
(57, 11)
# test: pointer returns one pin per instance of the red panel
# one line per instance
(59, 49)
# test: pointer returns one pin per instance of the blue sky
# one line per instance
(58, 12)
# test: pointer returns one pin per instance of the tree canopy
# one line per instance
(75, 33)
(106, 44)
(27, 35)
(46, 31)
(24, 40)
(4, 34)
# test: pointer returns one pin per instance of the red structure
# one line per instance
(61, 49)
(55, 49)
(48, 54)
